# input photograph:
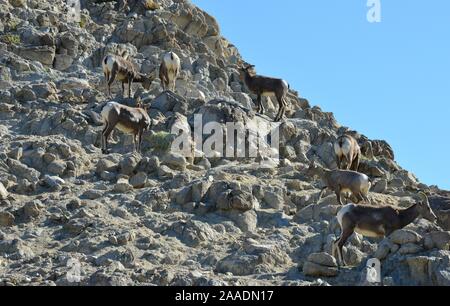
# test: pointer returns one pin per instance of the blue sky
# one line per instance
(387, 80)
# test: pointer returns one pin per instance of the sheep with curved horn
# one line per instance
(130, 120)
(375, 222)
(265, 86)
(122, 69)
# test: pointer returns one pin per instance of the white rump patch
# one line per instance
(344, 149)
(109, 63)
(171, 64)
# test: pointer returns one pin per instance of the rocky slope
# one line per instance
(69, 214)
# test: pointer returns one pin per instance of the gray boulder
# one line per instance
(439, 240)
(6, 219)
(404, 236)
(3, 192)
(43, 54)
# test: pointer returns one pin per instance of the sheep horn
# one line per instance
(423, 197)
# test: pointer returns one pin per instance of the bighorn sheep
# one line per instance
(346, 148)
(265, 86)
(342, 181)
(169, 70)
(377, 221)
(115, 66)
(130, 120)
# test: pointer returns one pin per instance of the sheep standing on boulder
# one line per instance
(265, 86)
(377, 221)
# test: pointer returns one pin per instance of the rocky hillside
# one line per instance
(69, 214)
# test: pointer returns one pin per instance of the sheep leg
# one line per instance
(359, 197)
(165, 83)
(282, 108)
(338, 161)
(103, 135)
(346, 233)
(334, 249)
(140, 141)
(112, 78)
(346, 197)
(106, 73)
(355, 163)
(106, 136)
(349, 163)
(338, 196)
(161, 77)
(130, 82)
(321, 193)
(277, 117)
(135, 145)
(260, 107)
(366, 198)
(174, 81)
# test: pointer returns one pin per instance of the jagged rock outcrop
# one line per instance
(162, 217)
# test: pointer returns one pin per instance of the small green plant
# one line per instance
(12, 24)
(151, 5)
(161, 141)
(83, 22)
(11, 39)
